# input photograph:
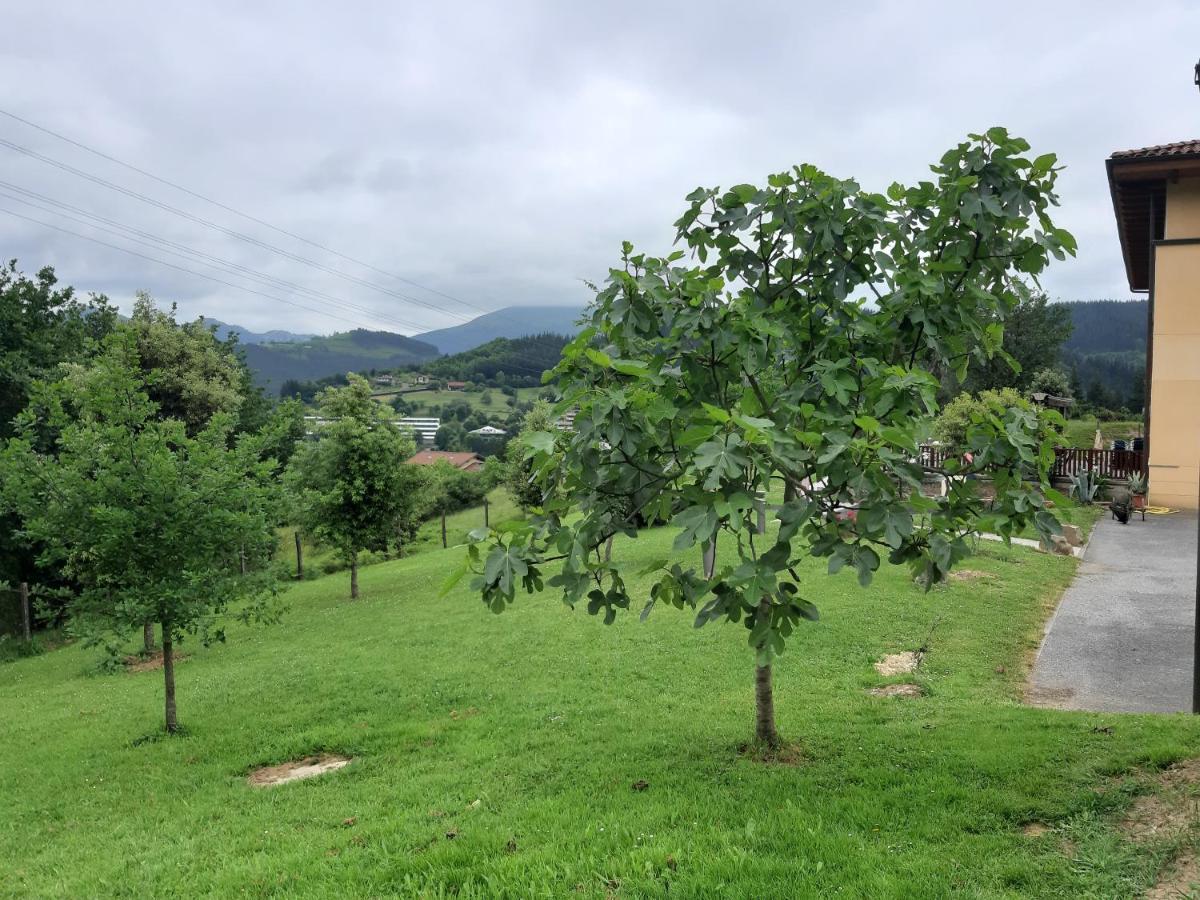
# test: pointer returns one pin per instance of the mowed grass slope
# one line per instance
(495, 755)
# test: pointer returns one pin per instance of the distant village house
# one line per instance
(467, 462)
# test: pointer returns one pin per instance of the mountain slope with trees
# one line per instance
(1106, 353)
(349, 351)
(519, 362)
(510, 322)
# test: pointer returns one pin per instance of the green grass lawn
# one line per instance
(322, 560)
(1082, 432)
(499, 405)
(495, 755)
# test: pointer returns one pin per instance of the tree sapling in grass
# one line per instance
(802, 340)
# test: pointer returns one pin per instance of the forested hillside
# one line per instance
(509, 322)
(350, 351)
(1108, 326)
(515, 361)
(1106, 352)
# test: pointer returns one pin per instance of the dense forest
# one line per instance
(349, 351)
(516, 362)
(1106, 353)
(502, 363)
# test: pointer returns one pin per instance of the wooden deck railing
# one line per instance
(1114, 465)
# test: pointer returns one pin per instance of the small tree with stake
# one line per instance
(154, 524)
(352, 487)
(801, 343)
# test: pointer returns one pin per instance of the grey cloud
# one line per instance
(501, 152)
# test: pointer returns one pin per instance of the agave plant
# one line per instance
(1137, 484)
(1084, 486)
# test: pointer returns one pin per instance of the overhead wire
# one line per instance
(229, 232)
(512, 369)
(237, 212)
(175, 248)
(173, 266)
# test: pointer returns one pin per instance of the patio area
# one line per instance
(1121, 638)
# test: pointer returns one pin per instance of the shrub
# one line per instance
(952, 426)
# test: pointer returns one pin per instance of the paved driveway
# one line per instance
(1121, 639)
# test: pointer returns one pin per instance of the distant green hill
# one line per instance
(1106, 353)
(521, 360)
(510, 322)
(349, 351)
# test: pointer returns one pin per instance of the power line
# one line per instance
(207, 223)
(178, 268)
(514, 369)
(151, 240)
(238, 212)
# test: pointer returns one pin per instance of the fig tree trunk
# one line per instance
(354, 575)
(168, 651)
(765, 734)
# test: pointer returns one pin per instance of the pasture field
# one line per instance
(540, 753)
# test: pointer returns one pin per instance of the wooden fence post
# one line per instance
(299, 558)
(443, 529)
(26, 612)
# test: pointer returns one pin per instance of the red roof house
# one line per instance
(468, 462)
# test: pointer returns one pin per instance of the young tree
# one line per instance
(1055, 382)
(195, 376)
(151, 523)
(1034, 333)
(519, 472)
(353, 488)
(953, 424)
(802, 342)
(42, 325)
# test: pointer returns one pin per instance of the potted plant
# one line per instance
(1137, 489)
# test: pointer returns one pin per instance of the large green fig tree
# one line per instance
(796, 334)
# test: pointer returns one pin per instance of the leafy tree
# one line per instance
(1034, 333)
(281, 433)
(42, 325)
(450, 436)
(195, 376)
(1055, 382)
(353, 488)
(953, 424)
(152, 523)
(524, 488)
(452, 488)
(696, 383)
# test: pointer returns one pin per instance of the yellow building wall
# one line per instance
(1175, 384)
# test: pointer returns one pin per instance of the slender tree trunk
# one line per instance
(148, 636)
(26, 611)
(354, 575)
(168, 652)
(299, 558)
(608, 548)
(764, 702)
(764, 698)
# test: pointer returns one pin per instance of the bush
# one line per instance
(453, 489)
(957, 416)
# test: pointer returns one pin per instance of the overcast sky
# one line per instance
(499, 153)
